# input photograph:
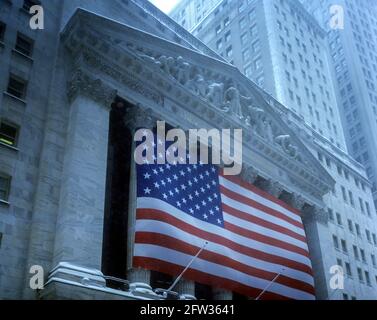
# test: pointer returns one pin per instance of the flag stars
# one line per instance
(205, 216)
(184, 200)
(165, 196)
(182, 173)
(183, 187)
(162, 170)
(217, 208)
(197, 207)
(178, 204)
(147, 176)
(171, 193)
(147, 191)
(175, 177)
(211, 212)
(191, 211)
(204, 203)
(156, 185)
(190, 197)
(155, 171)
(219, 221)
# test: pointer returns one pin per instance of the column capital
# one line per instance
(298, 201)
(315, 213)
(137, 117)
(83, 83)
(249, 174)
(275, 189)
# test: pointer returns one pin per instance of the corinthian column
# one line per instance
(79, 225)
(136, 118)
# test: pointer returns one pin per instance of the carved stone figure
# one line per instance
(183, 71)
(285, 142)
(197, 85)
(233, 101)
(215, 94)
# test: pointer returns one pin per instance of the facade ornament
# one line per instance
(233, 102)
(315, 214)
(275, 189)
(298, 202)
(249, 174)
(285, 143)
(136, 118)
(82, 83)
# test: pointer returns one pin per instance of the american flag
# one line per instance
(252, 237)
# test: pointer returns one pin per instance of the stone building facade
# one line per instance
(74, 93)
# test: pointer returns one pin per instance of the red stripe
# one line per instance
(267, 224)
(265, 239)
(152, 214)
(178, 245)
(240, 198)
(205, 278)
(260, 192)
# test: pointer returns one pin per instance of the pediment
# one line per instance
(207, 87)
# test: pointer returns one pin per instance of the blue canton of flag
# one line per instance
(193, 189)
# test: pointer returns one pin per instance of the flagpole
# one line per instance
(188, 266)
(269, 285)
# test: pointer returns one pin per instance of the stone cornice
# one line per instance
(131, 64)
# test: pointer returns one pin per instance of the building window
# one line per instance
(2, 31)
(360, 274)
(344, 245)
(29, 3)
(348, 269)
(5, 181)
(24, 45)
(258, 64)
(367, 278)
(8, 133)
(17, 86)
(339, 219)
(335, 242)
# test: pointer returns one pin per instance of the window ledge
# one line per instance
(3, 202)
(30, 59)
(4, 145)
(14, 97)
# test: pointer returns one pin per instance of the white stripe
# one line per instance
(178, 258)
(261, 214)
(152, 203)
(256, 197)
(264, 231)
(154, 226)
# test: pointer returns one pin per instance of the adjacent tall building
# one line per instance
(282, 48)
(351, 27)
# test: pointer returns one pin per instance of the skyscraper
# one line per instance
(282, 48)
(353, 45)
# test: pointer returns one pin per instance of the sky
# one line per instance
(165, 5)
